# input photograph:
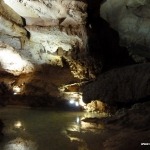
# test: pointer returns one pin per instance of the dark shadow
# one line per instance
(103, 40)
(24, 24)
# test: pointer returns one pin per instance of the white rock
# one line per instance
(45, 13)
(10, 28)
(51, 38)
(12, 62)
(9, 13)
(15, 42)
(50, 25)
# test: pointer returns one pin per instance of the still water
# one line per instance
(40, 129)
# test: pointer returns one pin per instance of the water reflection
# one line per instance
(80, 126)
(78, 131)
(78, 120)
(20, 144)
(27, 129)
(18, 124)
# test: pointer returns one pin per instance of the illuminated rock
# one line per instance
(52, 38)
(48, 31)
(96, 106)
(10, 28)
(12, 62)
(131, 18)
(45, 13)
(10, 14)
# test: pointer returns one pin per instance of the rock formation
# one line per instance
(131, 19)
(46, 46)
(42, 32)
(52, 51)
(38, 34)
(129, 84)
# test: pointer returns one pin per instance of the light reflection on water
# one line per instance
(20, 144)
(30, 129)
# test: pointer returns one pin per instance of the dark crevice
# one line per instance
(28, 34)
(103, 40)
(24, 24)
(131, 102)
(24, 21)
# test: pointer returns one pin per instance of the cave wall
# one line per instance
(103, 40)
(44, 32)
(45, 45)
(128, 23)
(131, 19)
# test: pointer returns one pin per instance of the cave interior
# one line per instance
(79, 55)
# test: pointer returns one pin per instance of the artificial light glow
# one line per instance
(18, 124)
(72, 101)
(16, 89)
(77, 103)
(78, 120)
(76, 99)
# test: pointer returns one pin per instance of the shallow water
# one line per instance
(40, 129)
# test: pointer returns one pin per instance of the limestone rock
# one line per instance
(131, 19)
(52, 37)
(44, 32)
(15, 42)
(11, 28)
(122, 85)
(10, 14)
(96, 106)
(45, 13)
(12, 61)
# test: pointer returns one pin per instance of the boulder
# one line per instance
(123, 85)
